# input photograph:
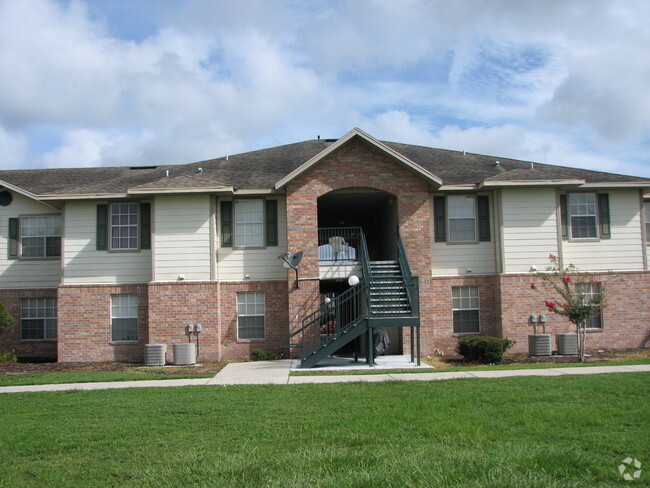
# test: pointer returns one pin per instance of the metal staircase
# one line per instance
(387, 296)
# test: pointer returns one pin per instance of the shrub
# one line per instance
(262, 355)
(6, 319)
(8, 356)
(483, 349)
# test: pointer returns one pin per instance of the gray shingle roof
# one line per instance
(263, 168)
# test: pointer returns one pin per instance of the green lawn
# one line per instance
(90, 377)
(571, 431)
(476, 367)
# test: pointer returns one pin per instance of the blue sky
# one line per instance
(114, 82)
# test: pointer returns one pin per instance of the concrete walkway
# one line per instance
(278, 373)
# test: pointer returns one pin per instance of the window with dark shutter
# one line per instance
(14, 230)
(440, 219)
(603, 210)
(271, 222)
(226, 223)
(102, 228)
(483, 203)
(145, 226)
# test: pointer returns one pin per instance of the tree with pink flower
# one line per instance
(569, 284)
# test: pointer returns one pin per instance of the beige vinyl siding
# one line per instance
(529, 228)
(254, 264)
(624, 250)
(181, 237)
(25, 273)
(454, 259)
(84, 264)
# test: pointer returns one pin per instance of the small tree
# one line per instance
(6, 319)
(569, 283)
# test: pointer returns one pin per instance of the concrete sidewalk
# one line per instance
(278, 373)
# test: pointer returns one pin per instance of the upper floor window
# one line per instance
(38, 319)
(252, 223)
(462, 218)
(35, 236)
(585, 215)
(124, 226)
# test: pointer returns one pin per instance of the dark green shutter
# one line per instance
(226, 223)
(603, 210)
(14, 225)
(102, 227)
(564, 216)
(271, 222)
(483, 218)
(145, 226)
(439, 219)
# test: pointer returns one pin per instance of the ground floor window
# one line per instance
(589, 291)
(124, 318)
(38, 319)
(466, 309)
(250, 315)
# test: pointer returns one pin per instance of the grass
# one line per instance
(90, 377)
(449, 367)
(569, 431)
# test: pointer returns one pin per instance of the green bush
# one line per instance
(262, 355)
(8, 356)
(6, 319)
(483, 349)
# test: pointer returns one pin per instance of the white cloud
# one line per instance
(554, 79)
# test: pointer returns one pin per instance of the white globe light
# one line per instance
(328, 300)
(353, 280)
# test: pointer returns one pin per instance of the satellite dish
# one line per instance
(293, 261)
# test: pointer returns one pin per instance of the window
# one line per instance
(462, 218)
(253, 223)
(646, 212)
(35, 237)
(589, 290)
(466, 309)
(124, 226)
(250, 315)
(249, 223)
(585, 215)
(124, 318)
(38, 319)
(582, 211)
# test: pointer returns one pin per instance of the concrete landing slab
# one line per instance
(254, 373)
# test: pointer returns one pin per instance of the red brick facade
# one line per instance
(10, 338)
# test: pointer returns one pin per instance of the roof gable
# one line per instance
(358, 133)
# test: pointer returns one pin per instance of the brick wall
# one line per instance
(357, 165)
(276, 318)
(10, 338)
(626, 323)
(84, 322)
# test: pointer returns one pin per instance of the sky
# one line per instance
(145, 82)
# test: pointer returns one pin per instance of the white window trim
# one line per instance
(21, 236)
(570, 217)
(601, 308)
(235, 224)
(448, 220)
(111, 226)
(646, 217)
(263, 315)
(136, 317)
(478, 309)
(55, 318)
